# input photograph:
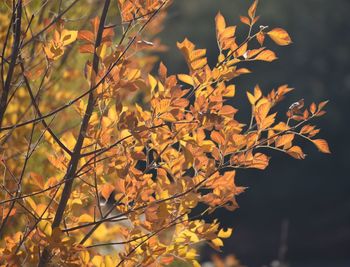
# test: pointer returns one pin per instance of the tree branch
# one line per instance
(75, 157)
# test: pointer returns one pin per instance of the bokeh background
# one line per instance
(312, 196)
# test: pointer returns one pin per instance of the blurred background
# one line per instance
(304, 203)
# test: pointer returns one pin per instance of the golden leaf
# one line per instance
(220, 23)
(252, 9)
(186, 79)
(266, 55)
(85, 218)
(280, 36)
(68, 37)
(217, 242)
(284, 139)
(322, 145)
(225, 234)
(296, 152)
(227, 110)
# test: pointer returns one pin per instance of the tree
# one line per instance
(105, 160)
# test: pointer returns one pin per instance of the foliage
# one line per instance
(103, 159)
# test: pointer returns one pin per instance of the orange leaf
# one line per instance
(266, 55)
(296, 152)
(245, 20)
(280, 36)
(86, 36)
(106, 190)
(322, 145)
(227, 110)
(217, 137)
(252, 9)
(322, 104)
(313, 108)
(260, 161)
(260, 37)
(220, 23)
(284, 139)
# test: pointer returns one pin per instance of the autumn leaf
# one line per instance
(252, 9)
(225, 234)
(110, 148)
(322, 145)
(280, 36)
(245, 20)
(186, 79)
(266, 55)
(260, 37)
(296, 152)
(220, 23)
(68, 37)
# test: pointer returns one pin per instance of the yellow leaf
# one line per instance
(260, 161)
(266, 55)
(242, 71)
(230, 91)
(97, 260)
(262, 112)
(85, 256)
(152, 82)
(186, 79)
(199, 63)
(85, 218)
(31, 203)
(52, 52)
(281, 126)
(217, 242)
(254, 52)
(280, 36)
(68, 37)
(228, 32)
(220, 23)
(225, 234)
(284, 139)
(296, 152)
(45, 227)
(257, 92)
(322, 145)
(109, 261)
(69, 140)
(102, 51)
(252, 9)
(251, 98)
(197, 54)
(227, 110)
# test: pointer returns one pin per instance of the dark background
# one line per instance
(313, 194)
